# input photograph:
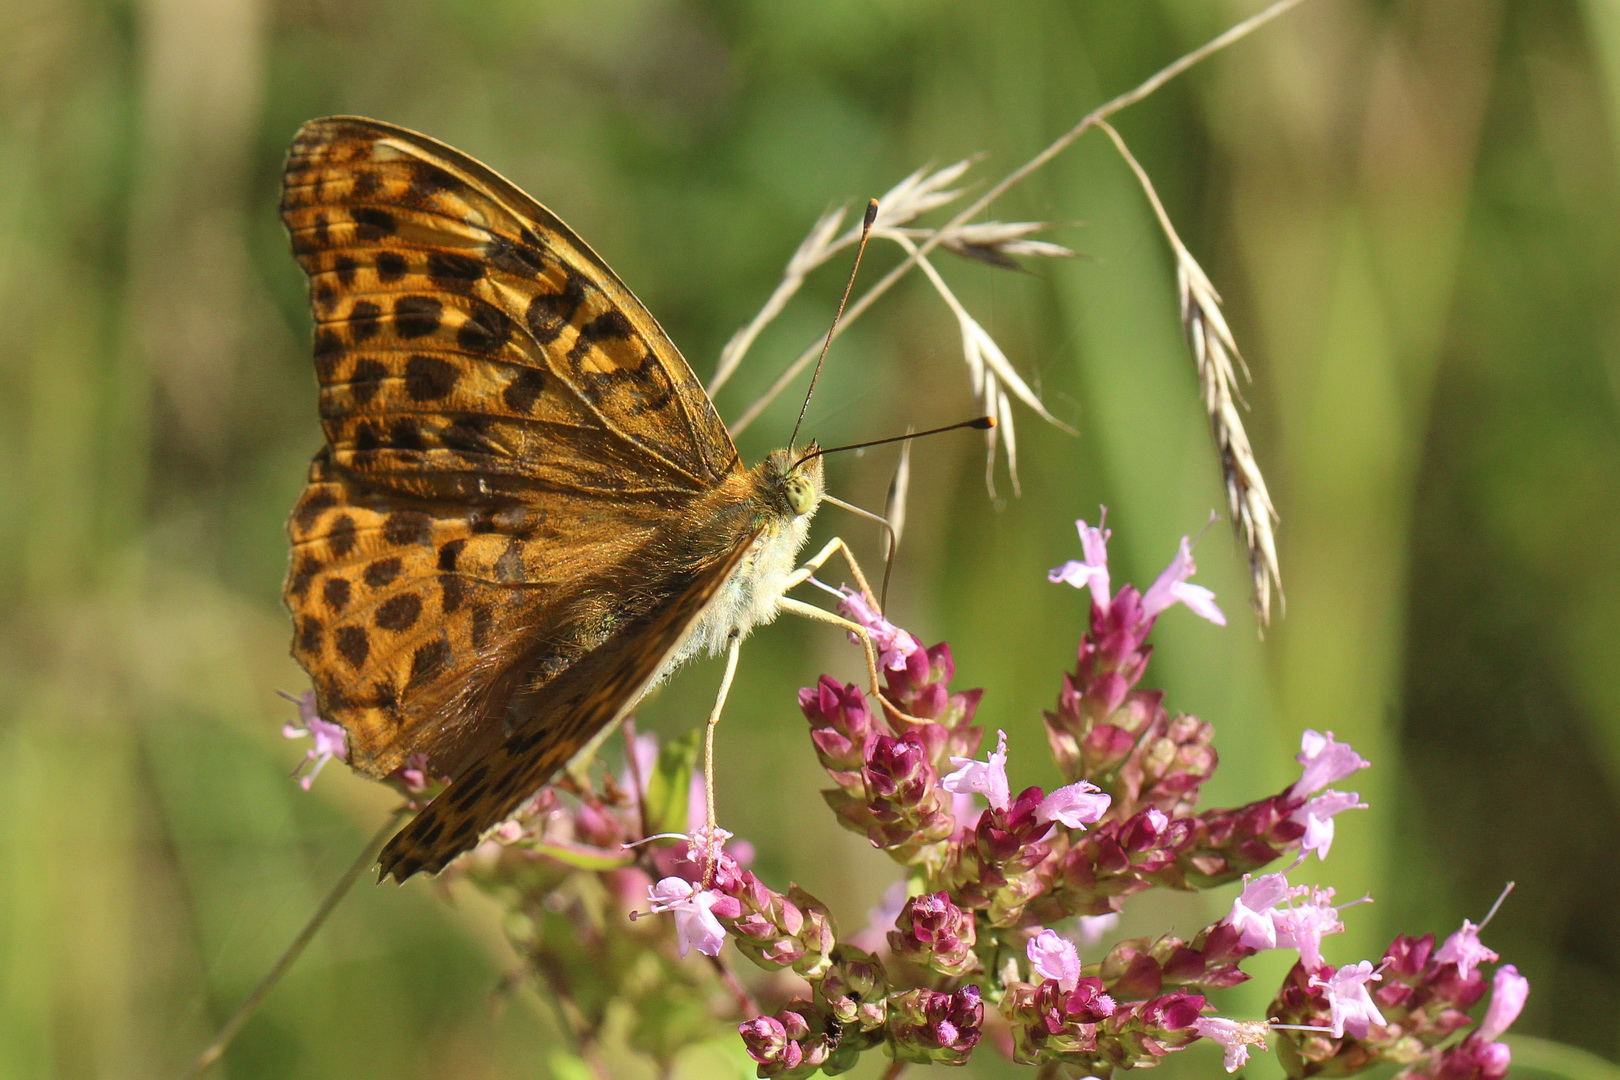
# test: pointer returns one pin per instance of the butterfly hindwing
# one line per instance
(596, 691)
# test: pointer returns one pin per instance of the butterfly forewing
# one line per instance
(505, 423)
(466, 340)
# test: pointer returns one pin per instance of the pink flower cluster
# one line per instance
(981, 943)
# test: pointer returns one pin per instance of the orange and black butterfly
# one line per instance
(527, 510)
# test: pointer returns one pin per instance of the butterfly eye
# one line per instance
(801, 495)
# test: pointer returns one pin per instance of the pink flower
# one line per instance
(1251, 911)
(413, 774)
(331, 741)
(1171, 588)
(1351, 1006)
(1093, 572)
(1053, 956)
(965, 811)
(1326, 761)
(1508, 993)
(1465, 950)
(1302, 927)
(695, 924)
(1234, 1037)
(893, 644)
(1317, 817)
(987, 778)
(1076, 806)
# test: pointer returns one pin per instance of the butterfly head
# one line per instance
(793, 483)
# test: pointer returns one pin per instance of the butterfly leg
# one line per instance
(836, 546)
(810, 611)
(733, 647)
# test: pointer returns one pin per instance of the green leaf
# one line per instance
(669, 788)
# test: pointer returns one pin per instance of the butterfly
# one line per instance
(527, 510)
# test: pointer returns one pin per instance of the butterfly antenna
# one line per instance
(866, 231)
(250, 1004)
(978, 423)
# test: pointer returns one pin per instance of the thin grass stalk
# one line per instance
(1214, 351)
(1102, 112)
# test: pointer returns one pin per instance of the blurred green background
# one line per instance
(1410, 208)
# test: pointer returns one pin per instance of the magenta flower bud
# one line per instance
(1106, 745)
(1087, 1003)
(1143, 831)
(794, 1025)
(776, 930)
(919, 669)
(1407, 956)
(840, 726)
(1173, 1012)
(1470, 1060)
(928, 1026)
(795, 1042)
(934, 933)
(1012, 841)
(897, 767)
(765, 1039)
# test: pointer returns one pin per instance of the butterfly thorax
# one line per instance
(776, 499)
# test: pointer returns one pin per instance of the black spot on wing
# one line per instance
(524, 390)
(399, 613)
(383, 571)
(341, 539)
(452, 590)
(485, 331)
(407, 527)
(520, 260)
(313, 506)
(550, 313)
(608, 326)
(353, 645)
(336, 592)
(366, 379)
(391, 266)
(372, 223)
(467, 436)
(428, 661)
(450, 270)
(429, 378)
(417, 316)
(365, 320)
